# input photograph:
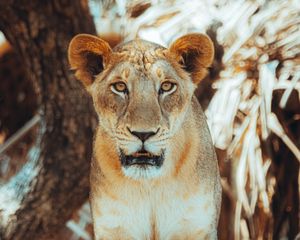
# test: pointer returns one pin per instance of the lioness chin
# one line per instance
(154, 172)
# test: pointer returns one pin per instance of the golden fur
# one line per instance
(180, 199)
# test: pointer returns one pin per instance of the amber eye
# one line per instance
(119, 87)
(167, 87)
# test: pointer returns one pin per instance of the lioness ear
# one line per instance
(195, 52)
(88, 55)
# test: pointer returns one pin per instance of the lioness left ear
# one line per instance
(87, 55)
(195, 52)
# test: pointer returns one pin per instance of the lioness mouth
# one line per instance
(142, 159)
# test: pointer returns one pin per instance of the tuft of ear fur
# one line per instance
(195, 52)
(87, 55)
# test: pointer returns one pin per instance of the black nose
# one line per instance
(143, 135)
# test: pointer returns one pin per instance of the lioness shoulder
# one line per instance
(154, 171)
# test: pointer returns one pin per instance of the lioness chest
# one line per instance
(154, 215)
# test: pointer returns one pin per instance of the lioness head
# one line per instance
(141, 93)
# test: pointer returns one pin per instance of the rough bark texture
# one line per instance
(54, 182)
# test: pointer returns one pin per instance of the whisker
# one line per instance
(125, 139)
(123, 133)
(160, 140)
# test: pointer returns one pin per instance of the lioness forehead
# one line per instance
(140, 52)
(138, 45)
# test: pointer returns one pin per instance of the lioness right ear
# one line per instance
(195, 52)
(88, 55)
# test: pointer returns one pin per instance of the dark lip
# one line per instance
(141, 158)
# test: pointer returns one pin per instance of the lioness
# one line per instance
(154, 173)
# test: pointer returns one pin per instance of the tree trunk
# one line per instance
(54, 181)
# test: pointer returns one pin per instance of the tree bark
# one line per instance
(54, 181)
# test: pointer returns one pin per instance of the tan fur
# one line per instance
(181, 199)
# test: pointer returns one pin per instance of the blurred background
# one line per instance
(251, 98)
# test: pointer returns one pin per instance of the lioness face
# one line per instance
(141, 103)
(141, 93)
